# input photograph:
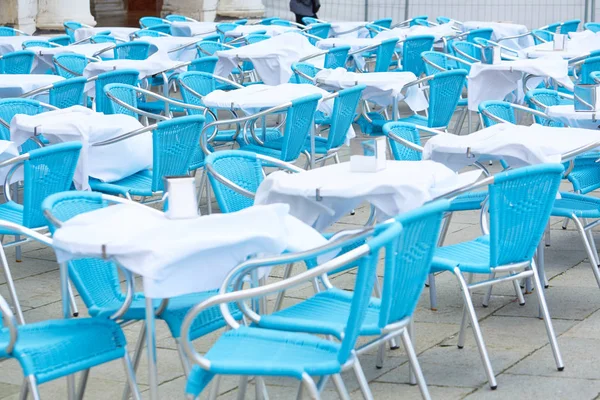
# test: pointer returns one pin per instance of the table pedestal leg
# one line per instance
(151, 347)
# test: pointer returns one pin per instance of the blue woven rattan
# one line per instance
(336, 57)
(62, 40)
(500, 109)
(442, 20)
(173, 145)
(384, 54)
(306, 69)
(126, 76)
(484, 33)
(17, 62)
(7, 31)
(441, 60)
(70, 28)
(470, 49)
(569, 26)
(412, 48)
(67, 93)
(589, 65)
(383, 22)
(162, 28)
(47, 171)
(176, 18)
(147, 22)
(225, 27)
(281, 22)
(98, 282)
(75, 63)
(37, 43)
(268, 21)
(209, 48)
(298, 122)
(263, 352)
(103, 39)
(54, 349)
(11, 107)
(320, 30)
(592, 26)
(548, 98)
(542, 35)
(125, 93)
(137, 50)
(147, 33)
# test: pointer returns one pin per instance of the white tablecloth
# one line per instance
(271, 30)
(44, 56)
(580, 44)
(381, 87)
(177, 257)
(402, 33)
(9, 44)
(9, 150)
(518, 145)
(186, 28)
(337, 29)
(154, 64)
(116, 32)
(79, 124)
(14, 85)
(575, 119)
(272, 58)
(166, 44)
(496, 81)
(401, 187)
(502, 30)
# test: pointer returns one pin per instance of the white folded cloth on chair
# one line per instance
(437, 32)
(381, 87)
(14, 85)
(272, 58)
(518, 145)
(496, 81)
(502, 30)
(154, 64)
(177, 257)
(117, 32)
(576, 119)
(189, 28)
(271, 30)
(44, 56)
(400, 187)
(80, 124)
(338, 29)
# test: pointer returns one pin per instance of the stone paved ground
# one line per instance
(515, 337)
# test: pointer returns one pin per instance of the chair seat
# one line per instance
(272, 138)
(138, 184)
(472, 256)
(263, 352)
(325, 313)
(376, 127)
(254, 148)
(320, 145)
(158, 106)
(580, 205)
(468, 201)
(322, 119)
(11, 212)
(53, 349)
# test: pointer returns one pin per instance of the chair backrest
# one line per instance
(445, 90)
(11, 107)
(406, 269)
(412, 49)
(162, 28)
(483, 33)
(547, 98)
(202, 83)
(126, 76)
(310, 21)
(242, 168)
(569, 26)
(204, 64)
(470, 49)
(589, 65)
(176, 18)
(147, 22)
(17, 62)
(418, 20)
(318, 29)
(305, 68)
(443, 61)
(137, 50)
(542, 35)
(442, 20)
(209, 48)
(103, 39)
(96, 280)
(73, 62)
(48, 170)
(592, 26)
(70, 28)
(7, 31)
(298, 122)
(408, 132)
(256, 37)
(173, 145)
(37, 43)
(281, 22)
(520, 202)
(125, 93)
(268, 21)
(336, 57)
(500, 109)
(553, 27)
(344, 109)
(383, 22)
(384, 54)
(147, 33)
(62, 40)
(67, 93)
(225, 27)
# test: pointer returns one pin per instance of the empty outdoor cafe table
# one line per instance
(14, 85)
(576, 119)
(320, 197)
(272, 58)
(175, 257)
(117, 32)
(496, 81)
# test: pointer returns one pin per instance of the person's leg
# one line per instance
(299, 18)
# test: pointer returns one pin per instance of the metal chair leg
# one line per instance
(588, 248)
(203, 181)
(432, 293)
(488, 295)
(380, 355)
(137, 354)
(208, 198)
(185, 364)
(83, 383)
(135, 392)
(547, 320)
(414, 362)
(362, 379)
(340, 387)
(476, 329)
(74, 309)
(12, 292)
(311, 387)
(33, 387)
(260, 389)
(463, 326)
(547, 237)
(243, 385)
(565, 223)
(214, 387)
(24, 392)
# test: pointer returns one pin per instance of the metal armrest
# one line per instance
(515, 36)
(109, 47)
(468, 57)
(353, 30)
(311, 56)
(9, 322)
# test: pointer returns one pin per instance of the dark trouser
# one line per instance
(299, 18)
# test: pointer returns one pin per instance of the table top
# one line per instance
(14, 85)
(576, 119)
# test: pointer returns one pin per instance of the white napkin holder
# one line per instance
(586, 98)
(373, 158)
(181, 194)
(559, 42)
